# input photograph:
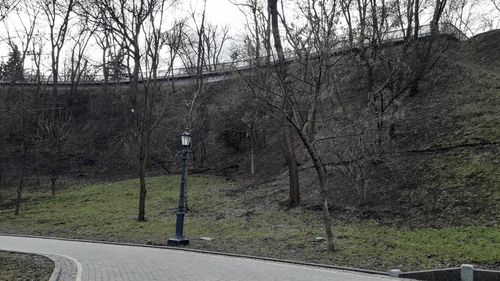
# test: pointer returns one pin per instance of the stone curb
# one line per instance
(57, 270)
(358, 270)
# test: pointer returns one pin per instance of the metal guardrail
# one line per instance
(465, 272)
(343, 44)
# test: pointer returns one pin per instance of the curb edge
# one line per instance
(57, 269)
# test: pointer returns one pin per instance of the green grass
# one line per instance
(479, 116)
(241, 225)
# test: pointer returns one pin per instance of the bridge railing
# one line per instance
(246, 63)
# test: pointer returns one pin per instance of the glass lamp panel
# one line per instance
(185, 139)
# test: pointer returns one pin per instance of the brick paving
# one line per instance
(68, 268)
(131, 263)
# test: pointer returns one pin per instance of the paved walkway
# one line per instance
(82, 261)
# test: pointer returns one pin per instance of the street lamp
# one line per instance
(179, 239)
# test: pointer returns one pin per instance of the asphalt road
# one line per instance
(83, 261)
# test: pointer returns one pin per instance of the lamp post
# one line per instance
(179, 239)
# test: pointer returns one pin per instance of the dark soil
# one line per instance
(25, 267)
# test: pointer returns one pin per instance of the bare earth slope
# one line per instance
(442, 167)
(447, 148)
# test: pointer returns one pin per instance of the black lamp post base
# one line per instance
(177, 242)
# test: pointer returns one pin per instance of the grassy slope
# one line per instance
(26, 267)
(454, 180)
(224, 212)
(445, 170)
(467, 179)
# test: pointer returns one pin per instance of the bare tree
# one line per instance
(459, 13)
(6, 6)
(173, 40)
(259, 52)
(252, 23)
(104, 39)
(436, 16)
(27, 17)
(24, 137)
(52, 137)
(78, 63)
(57, 14)
(214, 38)
(299, 88)
(496, 3)
(195, 104)
(288, 148)
(124, 19)
(155, 41)
(127, 21)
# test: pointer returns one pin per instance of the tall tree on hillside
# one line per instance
(78, 63)
(173, 40)
(424, 50)
(12, 70)
(283, 76)
(23, 130)
(258, 50)
(439, 7)
(22, 34)
(133, 23)
(214, 37)
(193, 55)
(125, 20)
(460, 14)
(57, 14)
(104, 38)
(153, 99)
(116, 68)
(52, 137)
(299, 88)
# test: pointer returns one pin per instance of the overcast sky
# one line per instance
(219, 12)
(223, 12)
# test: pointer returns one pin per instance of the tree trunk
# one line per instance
(289, 148)
(55, 77)
(423, 56)
(252, 159)
(144, 135)
(142, 193)
(257, 37)
(323, 184)
(105, 70)
(417, 19)
(21, 182)
(436, 16)
(273, 12)
(142, 176)
(134, 87)
(53, 180)
(294, 191)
